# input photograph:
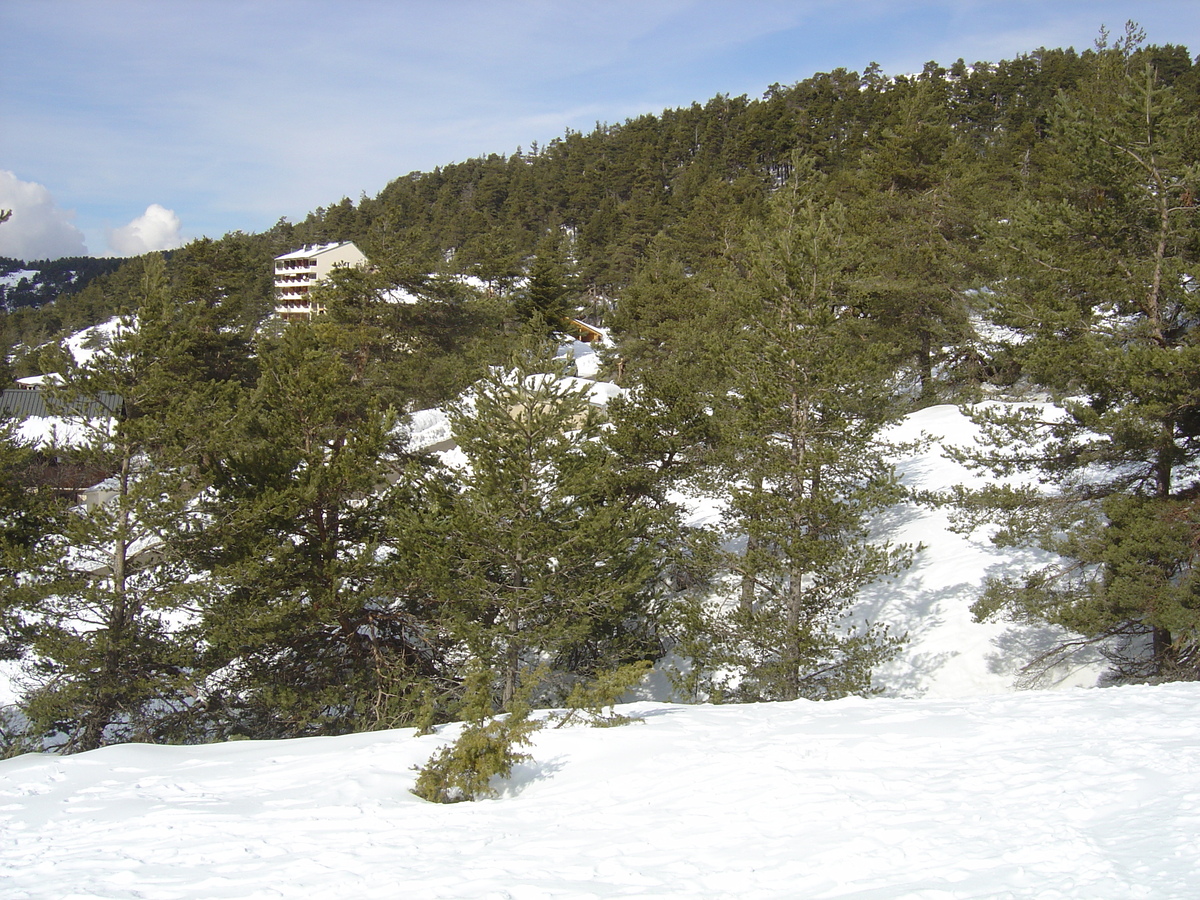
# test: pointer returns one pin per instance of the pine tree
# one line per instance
(545, 298)
(107, 660)
(806, 464)
(22, 528)
(1100, 283)
(29, 516)
(415, 353)
(670, 320)
(672, 330)
(531, 553)
(301, 631)
(484, 751)
(912, 194)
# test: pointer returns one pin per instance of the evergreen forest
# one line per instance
(782, 278)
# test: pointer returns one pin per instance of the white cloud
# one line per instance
(38, 229)
(158, 228)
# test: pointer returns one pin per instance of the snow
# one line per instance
(310, 250)
(84, 345)
(948, 654)
(10, 679)
(12, 279)
(399, 296)
(403, 296)
(1078, 794)
(37, 381)
(55, 431)
(428, 428)
(584, 356)
(599, 392)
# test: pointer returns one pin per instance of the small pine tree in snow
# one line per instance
(483, 752)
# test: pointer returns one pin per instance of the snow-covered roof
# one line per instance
(308, 251)
(31, 382)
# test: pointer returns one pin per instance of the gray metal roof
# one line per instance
(22, 403)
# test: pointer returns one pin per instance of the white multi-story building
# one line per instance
(299, 271)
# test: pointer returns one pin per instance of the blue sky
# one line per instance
(129, 125)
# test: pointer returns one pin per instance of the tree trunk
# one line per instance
(512, 662)
(795, 590)
(1164, 651)
(749, 573)
(925, 365)
(795, 650)
(121, 615)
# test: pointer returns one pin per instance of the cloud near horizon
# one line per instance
(38, 229)
(158, 228)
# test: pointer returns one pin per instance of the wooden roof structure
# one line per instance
(584, 332)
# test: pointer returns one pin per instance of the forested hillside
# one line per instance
(37, 283)
(783, 278)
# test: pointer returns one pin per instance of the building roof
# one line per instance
(585, 332)
(308, 251)
(23, 403)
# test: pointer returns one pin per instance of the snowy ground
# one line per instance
(949, 654)
(1069, 794)
(12, 279)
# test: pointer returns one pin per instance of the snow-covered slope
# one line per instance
(1070, 794)
(949, 654)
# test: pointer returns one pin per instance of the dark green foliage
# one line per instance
(104, 609)
(418, 353)
(1131, 587)
(916, 197)
(674, 330)
(531, 553)
(466, 769)
(301, 634)
(663, 434)
(484, 751)
(230, 278)
(312, 623)
(588, 701)
(671, 322)
(806, 465)
(545, 299)
(30, 513)
(1099, 280)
